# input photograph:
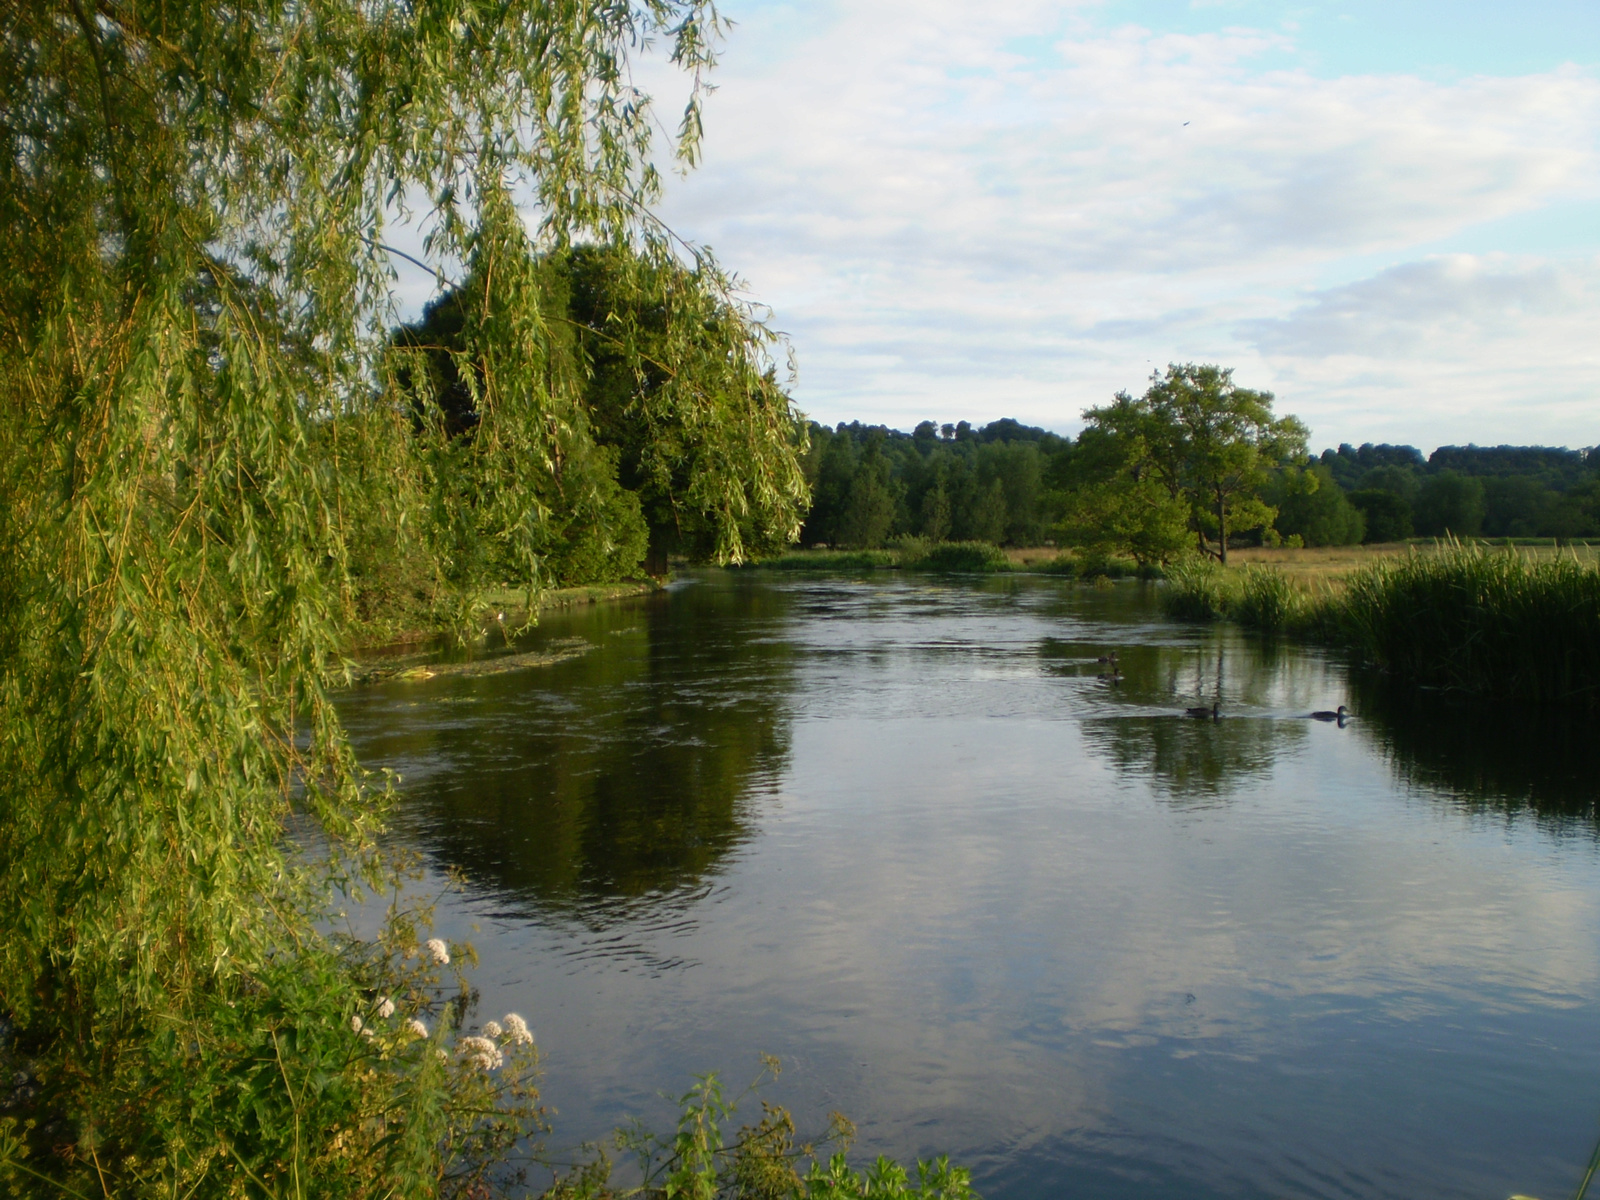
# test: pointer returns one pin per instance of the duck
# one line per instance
(1108, 658)
(1203, 713)
(1325, 715)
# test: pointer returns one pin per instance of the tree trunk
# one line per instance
(1222, 532)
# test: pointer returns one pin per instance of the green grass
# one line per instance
(1474, 620)
(1196, 590)
(912, 554)
(832, 560)
(1463, 618)
(959, 558)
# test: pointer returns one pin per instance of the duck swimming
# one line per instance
(1202, 713)
(1325, 715)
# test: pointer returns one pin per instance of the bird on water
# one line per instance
(1325, 715)
(1204, 713)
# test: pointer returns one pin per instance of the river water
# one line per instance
(901, 833)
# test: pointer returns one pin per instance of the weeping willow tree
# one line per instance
(205, 426)
(672, 443)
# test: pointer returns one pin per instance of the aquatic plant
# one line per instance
(1196, 590)
(1475, 620)
(1264, 599)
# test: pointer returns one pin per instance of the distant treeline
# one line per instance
(1014, 484)
(1471, 491)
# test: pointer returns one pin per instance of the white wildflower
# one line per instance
(416, 1028)
(439, 952)
(491, 1029)
(480, 1052)
(439, 1051)
(385, 1007)
(356, 1024)
(517, 1029)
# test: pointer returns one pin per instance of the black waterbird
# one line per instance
(1204, 713)
(1325, 715)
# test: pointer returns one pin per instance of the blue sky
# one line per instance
(1386, 213)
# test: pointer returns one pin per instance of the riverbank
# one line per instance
(1512, 623)
(502, 608)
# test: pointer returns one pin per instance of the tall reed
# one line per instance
(1196, 591)
(1471, 620)
(1266, 600)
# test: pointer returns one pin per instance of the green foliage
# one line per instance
(217, 463)
(762, 1163)
(1265, 600)
(957, 558)
(1481, 621)
(872, 485)
(1195, 590)
(1312, 507)
(1206, 443)
(1387, 515)
(1112, 501)
(1527, 491)
(1449, 505)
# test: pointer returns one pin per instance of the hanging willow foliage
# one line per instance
(207, 423)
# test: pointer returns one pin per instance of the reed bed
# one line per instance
(1472, 620)
(1197, 590)
(1461, 618)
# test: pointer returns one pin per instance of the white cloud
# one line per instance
(1008, 216)
(1437, 307)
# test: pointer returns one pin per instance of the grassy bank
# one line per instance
(958, 558)
(497, 607)
(1516, 625)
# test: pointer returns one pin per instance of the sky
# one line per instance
(1387, 214)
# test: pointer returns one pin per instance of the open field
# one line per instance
(1311, 566)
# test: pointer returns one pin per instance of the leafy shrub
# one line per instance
(339, 1070)
(961, 558)
(1064, 564)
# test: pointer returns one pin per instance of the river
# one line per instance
(902, 833)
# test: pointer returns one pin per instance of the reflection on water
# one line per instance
(908, 835)
(627, 772)
(1487, 755)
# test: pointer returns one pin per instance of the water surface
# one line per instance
(902, 834)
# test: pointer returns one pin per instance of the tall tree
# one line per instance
(1208, 441)
(194, 309)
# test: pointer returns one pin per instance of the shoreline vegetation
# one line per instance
(1466, 619)
(1516, 620)
(226, 468)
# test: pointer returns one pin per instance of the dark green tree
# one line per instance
(1449, 505)
(1387, 516)
(1209, 442)
(1314, 508)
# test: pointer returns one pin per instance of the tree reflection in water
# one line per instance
(1195, 762)
(629, 772)
(1486, 756)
